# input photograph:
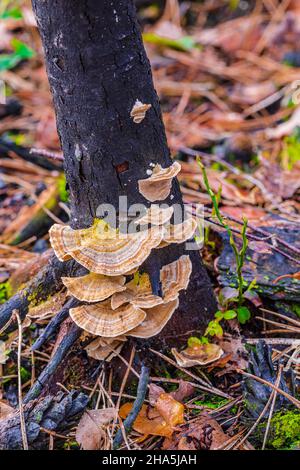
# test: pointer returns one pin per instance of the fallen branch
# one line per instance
(54, 324)
(46, 282)
(137, 405)
(52, 413)
(64, 347)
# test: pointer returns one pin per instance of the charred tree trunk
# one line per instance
(97, 68)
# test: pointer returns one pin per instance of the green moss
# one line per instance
(284, 430)
(296, 309)
(212, 402)
(5, 292)
(62, 191)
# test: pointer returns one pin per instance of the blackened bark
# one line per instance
(97, 68)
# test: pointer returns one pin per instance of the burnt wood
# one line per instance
(97, 68)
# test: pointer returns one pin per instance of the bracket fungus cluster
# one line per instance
(118, 304)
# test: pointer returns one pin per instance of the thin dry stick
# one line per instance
(265, 382)
(262, 414)
(284, 317)
(22, 418)
(132, 354)
(281, 325)
(204, 385)
(274, 393)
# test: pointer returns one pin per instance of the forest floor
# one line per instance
(228, 77)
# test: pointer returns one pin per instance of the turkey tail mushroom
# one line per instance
(156, 319)
(158, 186)
(94, 287)
(100, 320)
(104, 250)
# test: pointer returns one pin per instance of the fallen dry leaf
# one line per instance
(90, 432)
(158, 420)
(5, 409)
(202, 434)
(170, 409)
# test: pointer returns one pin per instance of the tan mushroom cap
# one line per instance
(105, 349)
(156, 215)
(158, 186)
(104, 250)
(94, 287)
(138, 111)
(138, 294)
(175, 277)
(57, 241)
(100, 320)
(179, 233)
(156, 319)
(199, 355)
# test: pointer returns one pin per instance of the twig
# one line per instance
(46, 282)
(283, 317)
(274, 396)
(233, 169)
(54, 324)
(137, 405)
(22, 418)
(204, 386)
(269, 384)
(62, 350)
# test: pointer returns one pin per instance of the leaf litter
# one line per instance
(229, 86)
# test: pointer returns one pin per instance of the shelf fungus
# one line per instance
(105, 349)
(156, 319)
(104, 250)
(197, 355)
(138, 111)
(174, 277)
(158, 186)
(156, 215)
(57, 241)
(179, 233)
(94, 287)
(100, 320)
(138, 293)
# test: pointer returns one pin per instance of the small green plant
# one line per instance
(214, 328)
(194, 341)
(20, 52)
(291, 150)
(238, 253)
(10, 10)
(236, 296)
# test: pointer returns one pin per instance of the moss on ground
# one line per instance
(284, 430)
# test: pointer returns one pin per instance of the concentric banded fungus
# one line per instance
(179, 233)
(104, 250)
(57, 241)
(105, 349)
(94, 287)
(175, 277)
(158, 186)
(199, 355)
(138, 111)
(156, 319)
(156, 215)
(101, 320)
(137, 293)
